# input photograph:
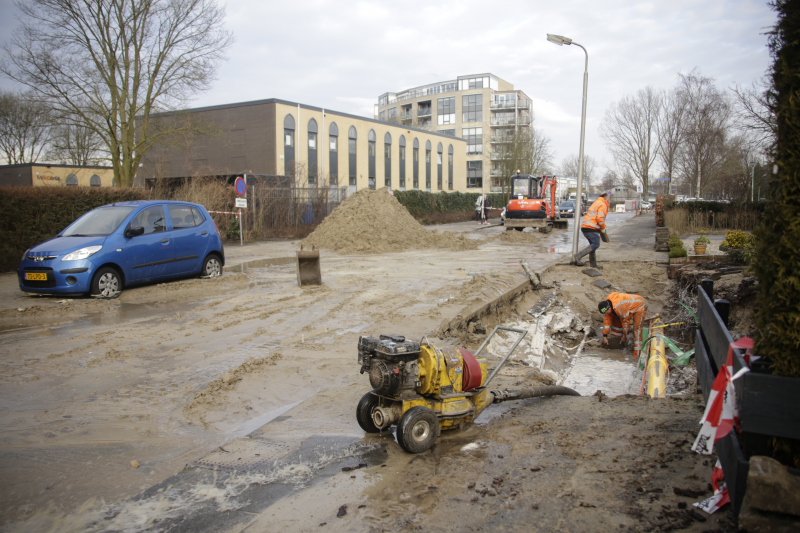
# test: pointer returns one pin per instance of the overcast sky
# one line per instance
(343, 55)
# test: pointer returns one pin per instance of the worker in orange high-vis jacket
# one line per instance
(594, 221)
(622, 313)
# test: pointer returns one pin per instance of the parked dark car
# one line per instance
(566, 209)
(122, 244)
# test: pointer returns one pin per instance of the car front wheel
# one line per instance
(212, 267)
(106, 282)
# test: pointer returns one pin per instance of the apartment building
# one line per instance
(483, 109)
(314, 147)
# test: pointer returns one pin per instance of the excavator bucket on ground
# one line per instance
(308, 271)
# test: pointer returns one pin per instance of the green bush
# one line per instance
(737, 239)
(675, 242)
(30, 215)
(678, 252)
(423, 202)
(777, 267)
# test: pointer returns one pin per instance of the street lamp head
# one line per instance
(558, 39)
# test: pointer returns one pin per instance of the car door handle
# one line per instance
(204, 233)
(164, 241)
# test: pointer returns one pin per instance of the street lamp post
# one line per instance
(753, 181)
(560, 41)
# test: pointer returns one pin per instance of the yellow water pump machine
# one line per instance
(423, 389)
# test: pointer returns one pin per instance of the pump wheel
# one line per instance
(418, 429)
(364, 413)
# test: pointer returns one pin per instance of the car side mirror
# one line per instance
(134, 231)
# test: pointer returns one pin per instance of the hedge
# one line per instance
(30, 215)
(423, 202)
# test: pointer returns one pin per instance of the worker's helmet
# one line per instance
(604, 306)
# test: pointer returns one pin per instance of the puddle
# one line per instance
(249, 265)
(593, 372)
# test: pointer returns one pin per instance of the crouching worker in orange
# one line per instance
(622, 313)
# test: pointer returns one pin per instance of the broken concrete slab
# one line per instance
(602, 284)
(591, 272)
(543, 304)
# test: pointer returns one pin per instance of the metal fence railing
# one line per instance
(276, 208)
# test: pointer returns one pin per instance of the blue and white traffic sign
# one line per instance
(240, 185)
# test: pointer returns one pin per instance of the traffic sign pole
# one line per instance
(241, 240)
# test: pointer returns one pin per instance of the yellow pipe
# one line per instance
(657, 368)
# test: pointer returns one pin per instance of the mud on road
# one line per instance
(168, 373)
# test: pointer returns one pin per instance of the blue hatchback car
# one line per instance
(123, 244)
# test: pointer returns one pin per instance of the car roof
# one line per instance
(138, 203)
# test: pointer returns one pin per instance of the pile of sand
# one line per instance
(374, 222)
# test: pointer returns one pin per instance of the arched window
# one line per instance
(351, 149)
(94, 181)
(333, 154)
(428, 166)
(439, 150)
(387, 160)
(313, 168)
(402, 146)
(371, 158)
(72, 179)
(450, 168)
(288, 145)
(416, 164)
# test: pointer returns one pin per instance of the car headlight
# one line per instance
(83, 253)
(570, 210)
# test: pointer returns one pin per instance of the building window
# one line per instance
(371, 159)
(474, 138)
(416, 164)
(474, 174)
(472, 108)
(391, 114)
(439, 167)
(382, 115)
(351, 149)
(451, 133)
(428, 166)
(387, 160)
(473, 83)
(405, 112)
(447, 110)
(313, 162)
(402, 146)
(288, 144)
(450, 167)
(333, 154)
(94, 181)
(72, 179)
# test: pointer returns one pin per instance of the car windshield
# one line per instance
(566, 205)
(98, 222)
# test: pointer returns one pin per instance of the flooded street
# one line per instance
(102, 400)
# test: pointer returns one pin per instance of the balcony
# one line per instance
(406, 116)
(424, 112)
(510, 104)
(496, 173)
(501, 139)
(505, 121)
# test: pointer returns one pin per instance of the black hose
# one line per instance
(536, 392)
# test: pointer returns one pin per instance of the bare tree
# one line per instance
(25, 128)
(630, 131)
(754, 113)
(115, 62)
(670, 132)
(526, 149)
(608, 180)
(571, 164)
(76, 144)
(706, 120)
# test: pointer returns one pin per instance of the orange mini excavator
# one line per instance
(533, 204)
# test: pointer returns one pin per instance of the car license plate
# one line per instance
(36, 276)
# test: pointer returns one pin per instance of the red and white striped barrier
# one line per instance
(225, 213)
